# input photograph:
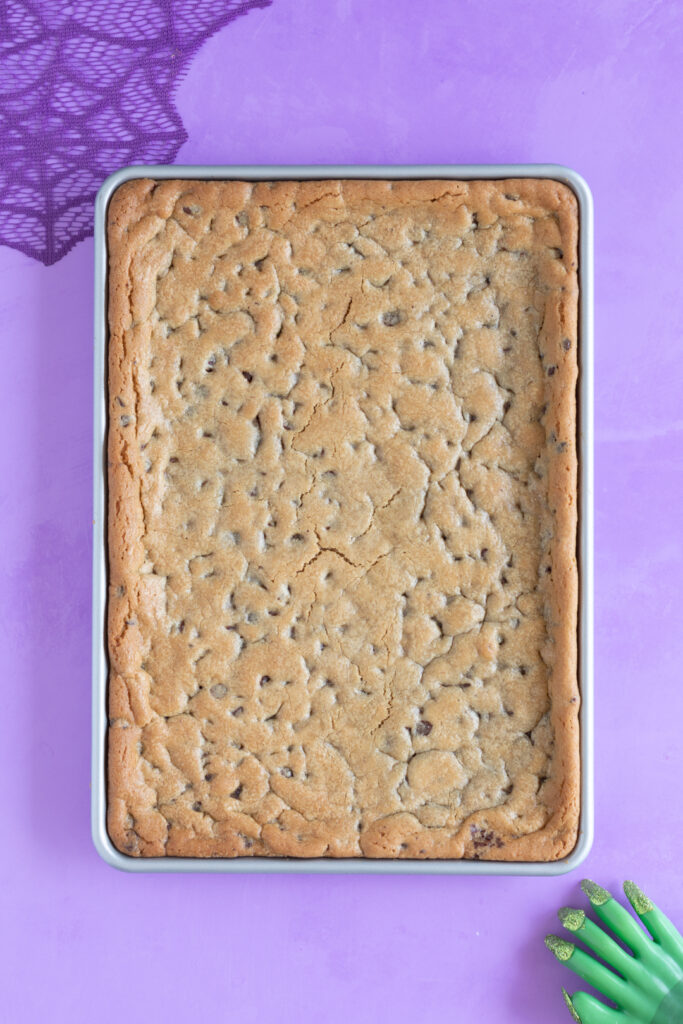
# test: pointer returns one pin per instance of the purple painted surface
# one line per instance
(594, 86)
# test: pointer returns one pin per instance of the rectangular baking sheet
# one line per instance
(103, 843)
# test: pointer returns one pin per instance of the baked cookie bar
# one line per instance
(342, 615)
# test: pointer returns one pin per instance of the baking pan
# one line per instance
(103, 843)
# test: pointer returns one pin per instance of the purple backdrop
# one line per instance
(592, 85)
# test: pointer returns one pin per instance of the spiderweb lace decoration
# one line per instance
(86, 87)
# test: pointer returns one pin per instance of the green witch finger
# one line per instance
(587, 1009)
(628, 997)
(570, 1006)
(621, 923)
(658, 924)
(604, 945)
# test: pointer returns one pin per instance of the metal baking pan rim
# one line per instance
(362, 865)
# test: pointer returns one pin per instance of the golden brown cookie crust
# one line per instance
(343, 587)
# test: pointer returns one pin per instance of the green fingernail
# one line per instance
(560, 947)
(595, 893)
(637, 898)
(570, 1006)
(572, 919)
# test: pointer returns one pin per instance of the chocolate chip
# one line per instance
(196, 806)
(423, 728)
(566, 344)
(236, 793)
(247, 376)
(485, 837)
(392, 318)
(551, 371)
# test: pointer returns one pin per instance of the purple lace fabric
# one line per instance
(86, 87)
